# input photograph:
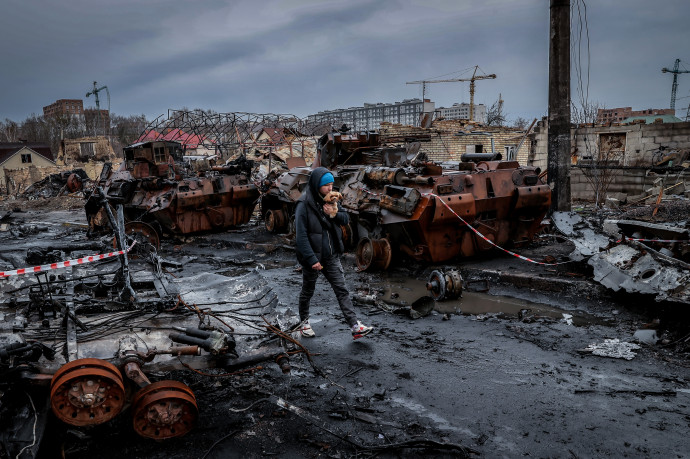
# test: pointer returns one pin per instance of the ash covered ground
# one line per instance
(498, 372)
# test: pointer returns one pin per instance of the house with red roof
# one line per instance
(193, 144)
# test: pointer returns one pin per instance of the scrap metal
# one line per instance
(93, 336)
(399, 202)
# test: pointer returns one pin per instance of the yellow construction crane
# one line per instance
(454, 80)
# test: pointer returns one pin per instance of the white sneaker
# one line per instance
(305, 329)
(359, 330)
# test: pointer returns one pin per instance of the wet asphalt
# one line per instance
(500, 372)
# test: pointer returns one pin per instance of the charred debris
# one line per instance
(81, 338)
(90, 341)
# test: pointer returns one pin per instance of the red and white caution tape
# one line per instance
(521, 257)
(517, 255)
(65, 264)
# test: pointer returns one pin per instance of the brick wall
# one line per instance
(446, 145)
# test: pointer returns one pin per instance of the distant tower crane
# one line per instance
(471, 80)
(95, 92)
(674, 87)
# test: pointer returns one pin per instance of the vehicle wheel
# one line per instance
(373, 254)
(164, 409)
(87, 392)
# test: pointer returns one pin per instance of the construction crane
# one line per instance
(454, 80)
(95, 92)
(674, 87)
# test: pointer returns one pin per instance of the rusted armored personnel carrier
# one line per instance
(161, 193)
(399, 202)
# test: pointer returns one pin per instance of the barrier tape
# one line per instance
(65, 264)
(516, 255)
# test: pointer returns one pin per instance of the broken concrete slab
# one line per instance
(653, 230)
(620, 197)
(612, 203)
(646, 336)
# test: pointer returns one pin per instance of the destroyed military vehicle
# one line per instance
(163, 194)
(401, 203)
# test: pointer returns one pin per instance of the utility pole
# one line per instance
(558, 167)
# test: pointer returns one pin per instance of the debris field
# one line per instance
(539, 358)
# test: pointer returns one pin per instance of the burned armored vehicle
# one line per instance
(401, 203)
(281, 191)
(163, 194)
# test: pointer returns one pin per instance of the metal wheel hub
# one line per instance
(445, 285)
(373, 253)
(275, 220)
(87, 392)
(164, 409)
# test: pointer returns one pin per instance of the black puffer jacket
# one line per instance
(318, 236)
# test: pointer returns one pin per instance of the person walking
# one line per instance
(319, 242)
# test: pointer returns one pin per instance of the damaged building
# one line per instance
(621, 160)
(448, 140)
(22, 164)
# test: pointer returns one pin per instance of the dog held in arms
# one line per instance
(333, 197)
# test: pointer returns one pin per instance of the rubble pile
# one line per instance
(638, 250)
(57, 184)
(676, 210)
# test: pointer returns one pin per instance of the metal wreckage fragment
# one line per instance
(632, 256)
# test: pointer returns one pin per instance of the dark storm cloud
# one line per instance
(303, 56)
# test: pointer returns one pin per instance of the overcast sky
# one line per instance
(302, 56)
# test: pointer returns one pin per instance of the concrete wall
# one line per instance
(16, 176)
(13, 181)
(18, 180)
(632, 172)
(632, 182)
(446, 145)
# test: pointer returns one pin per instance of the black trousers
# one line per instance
(333, 272)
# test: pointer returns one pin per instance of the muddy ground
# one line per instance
(500, 372)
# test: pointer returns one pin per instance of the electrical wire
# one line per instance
(34, 428)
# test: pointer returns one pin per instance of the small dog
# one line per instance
(333, 197)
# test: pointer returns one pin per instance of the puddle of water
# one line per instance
(403, 291)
